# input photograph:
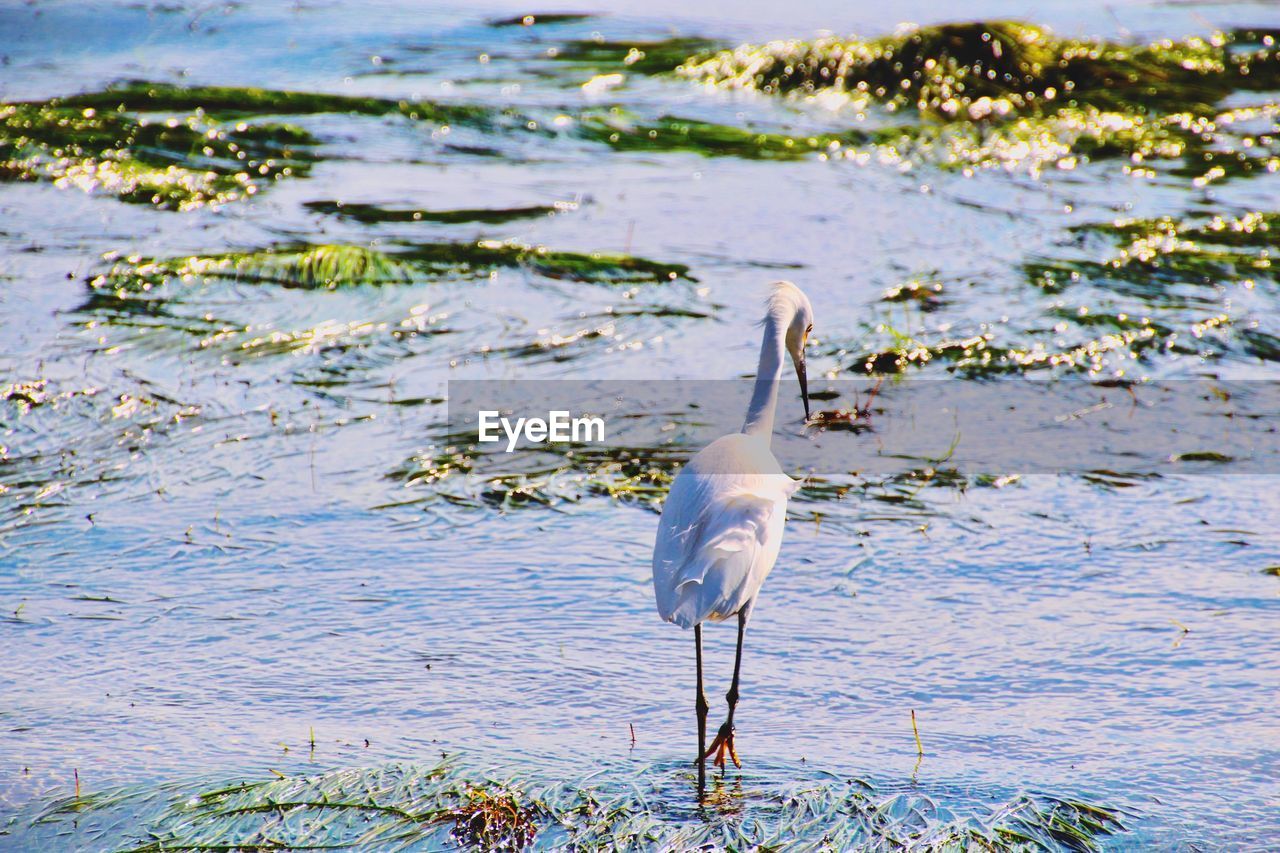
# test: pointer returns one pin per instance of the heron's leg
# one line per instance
(701, 704)
(723, 742)
(732, 695)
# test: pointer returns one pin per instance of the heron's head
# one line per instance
(789, 305)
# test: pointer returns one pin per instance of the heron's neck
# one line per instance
(764, 399)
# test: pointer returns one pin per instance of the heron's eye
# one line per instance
(809, 330)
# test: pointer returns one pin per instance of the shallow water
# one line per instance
(211, 554)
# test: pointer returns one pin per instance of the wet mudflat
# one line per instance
(255, 592)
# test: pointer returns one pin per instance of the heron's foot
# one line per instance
(722, 746)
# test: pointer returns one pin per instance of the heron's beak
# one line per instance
(804, 385)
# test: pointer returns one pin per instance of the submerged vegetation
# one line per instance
(987, 69)
(57, 438)
(373, 214)
(1204, 250)
(457, 471)
(1141, 289)
(624, 132)
(987, 94)
(658, 56)
(410, 805)
(1005, 93)
(170, 163)
(236, 102)
(328, 267)
(981, 354)
(184, 147)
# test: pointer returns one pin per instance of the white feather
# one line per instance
(720, 532)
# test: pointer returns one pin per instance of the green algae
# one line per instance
(373, 214)
(656, 56)
(927, 294)
(1178, 277)
(1169, 263)
(329, 267)
(234, 102)
(306, 267)
(1200, 250)
(484, 256)
(977, 70)
(1142, 289)
(436, 807)
(630, 475)
(459, 472)
(1013, 95)
(1061, 139)
(1092, 344)
(541, 19)
(174, 164)
(184, 147)
(1084, 342)
(624, 132)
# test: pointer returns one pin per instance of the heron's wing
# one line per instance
(733, 528)
(718, 539)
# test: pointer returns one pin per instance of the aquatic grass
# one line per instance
(58, 438)
(926, 293)
(981, 354)
(1006, 94)
(494, 819)
(1063, 139)
(622, 131)
(1176, 276)
(409, 806)
(238, 102)
(329, 267)
(455, 470)
(595, 267)
(1198, 250)
(325, 267)
(1143, 293)
(541, 19)
(174, 164)
(983, 69)
(183, 147)
(373, 214)
(653, 56)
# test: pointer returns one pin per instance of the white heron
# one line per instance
(722, 523)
